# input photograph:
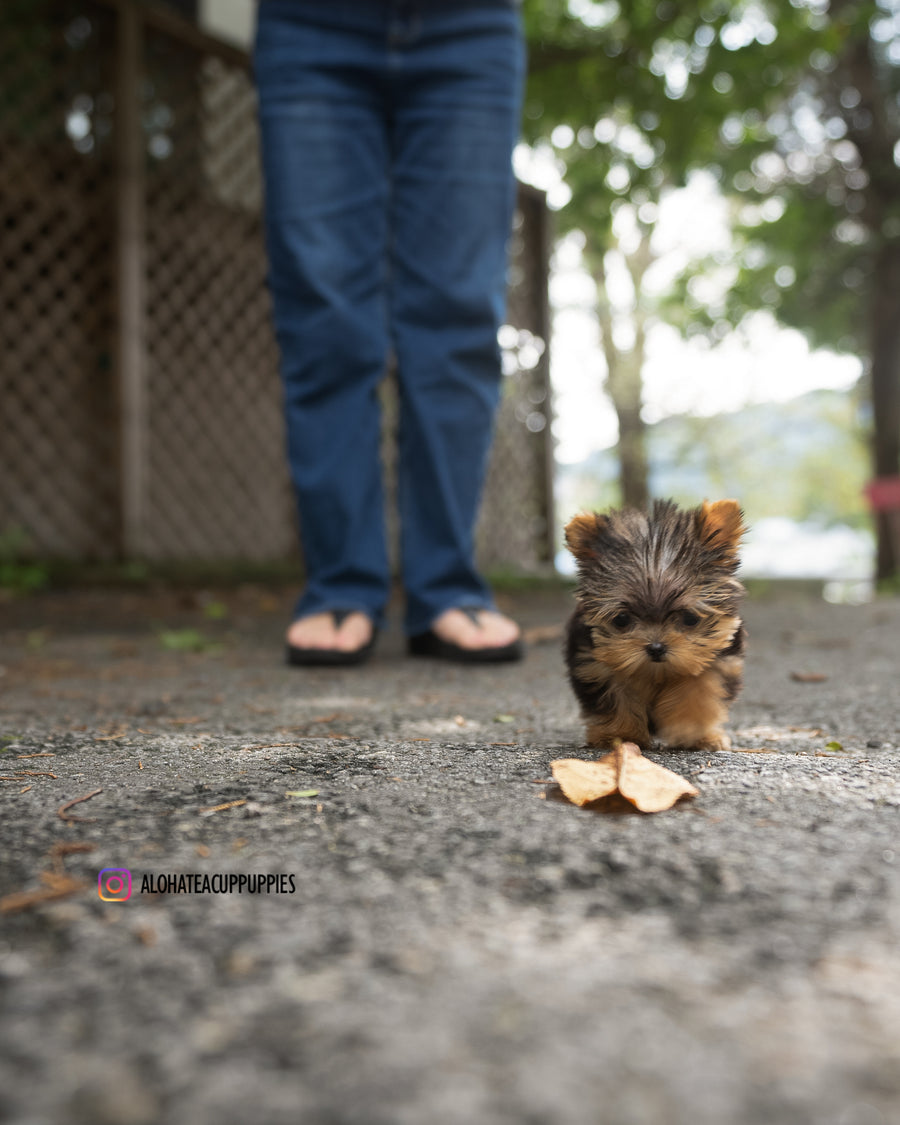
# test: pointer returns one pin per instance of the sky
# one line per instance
(762, 362)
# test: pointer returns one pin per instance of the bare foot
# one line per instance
(320, 632)
(491, 630)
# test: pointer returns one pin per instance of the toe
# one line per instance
(355, 632)
(316, 631)
(489, 629)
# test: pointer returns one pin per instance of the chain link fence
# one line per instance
(138, 369)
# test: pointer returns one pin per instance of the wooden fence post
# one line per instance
(544, 238)
(130, 294)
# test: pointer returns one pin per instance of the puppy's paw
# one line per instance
(717, 740)
(600, 736)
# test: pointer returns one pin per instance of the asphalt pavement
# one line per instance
(357, 899)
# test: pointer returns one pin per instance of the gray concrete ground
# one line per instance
(460, 946)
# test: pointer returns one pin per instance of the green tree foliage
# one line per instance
(794, 105)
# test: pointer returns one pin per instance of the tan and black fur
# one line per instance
(655, 647)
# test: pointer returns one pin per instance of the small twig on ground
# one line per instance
(61, 811)
(57, 886)
(542, 634)
(221, 808)
(267, 745)
(26, 773)
(64, 848)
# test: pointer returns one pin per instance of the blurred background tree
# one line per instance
(794, 108)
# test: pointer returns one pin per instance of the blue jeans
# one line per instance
(387, 132)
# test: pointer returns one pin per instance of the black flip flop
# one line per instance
(332, 657)
(430, 644)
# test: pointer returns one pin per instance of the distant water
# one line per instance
(843, 557)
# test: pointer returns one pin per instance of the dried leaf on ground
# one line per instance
(625, 770)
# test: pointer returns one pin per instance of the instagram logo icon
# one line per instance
(114, 884)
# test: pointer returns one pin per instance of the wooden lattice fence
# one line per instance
(138, 386)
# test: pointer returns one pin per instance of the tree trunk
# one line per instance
(624, 378)
(871, 128)
(885, 332)
(633, 458)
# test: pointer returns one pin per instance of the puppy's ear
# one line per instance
(721, 525)
(583, 535)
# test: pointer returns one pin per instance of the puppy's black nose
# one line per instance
(656, 651)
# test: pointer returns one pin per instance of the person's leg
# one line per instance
(456, 88)
(325, 154)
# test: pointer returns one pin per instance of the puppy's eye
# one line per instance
(689, 618)
(622, 619)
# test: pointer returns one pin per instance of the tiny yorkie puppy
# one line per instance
(655, 647)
